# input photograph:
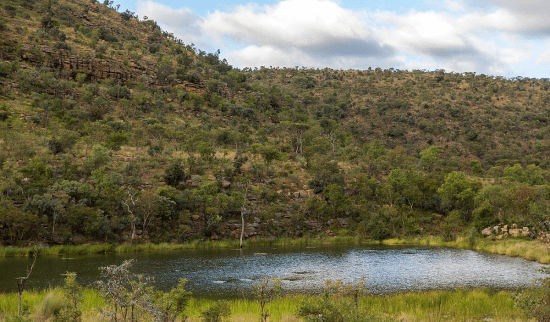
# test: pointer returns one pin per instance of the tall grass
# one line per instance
(457, 305)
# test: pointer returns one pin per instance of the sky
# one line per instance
(494, 37)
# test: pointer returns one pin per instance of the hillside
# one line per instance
(114, 130)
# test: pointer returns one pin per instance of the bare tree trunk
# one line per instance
(22, 280)
(132, 215)
(242, 215)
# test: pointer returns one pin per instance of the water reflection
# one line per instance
(228, 273)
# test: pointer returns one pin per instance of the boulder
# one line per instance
(487, 232)
(514, 232)
(296, 194)
(310, 193)
(226, 184)
(303, 194)
(344, 222)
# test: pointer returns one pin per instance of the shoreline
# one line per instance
(532, 250)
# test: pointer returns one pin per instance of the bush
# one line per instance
(335, 307)
(216, 312)
(174, 175)
(4, 113)
(535, 302)
(129, 298)
(51, 306)
(62, 45)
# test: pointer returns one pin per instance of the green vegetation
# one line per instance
(458, 305)
(152, 140)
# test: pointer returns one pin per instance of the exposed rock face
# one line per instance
(70, 65)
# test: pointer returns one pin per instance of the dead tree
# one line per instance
(22, 280)
(242, 215)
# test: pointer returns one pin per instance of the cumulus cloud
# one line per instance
(290, 28)
(184, 23)
(486, 36)
(544, 58)
(529, 17)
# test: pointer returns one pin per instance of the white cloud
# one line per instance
(454, 5)
(544, 58)
(184, 23)
(317, 28)
(455, 35)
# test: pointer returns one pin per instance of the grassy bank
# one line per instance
(8, 251)
(458, 305)
(532, 250)
(529, 249)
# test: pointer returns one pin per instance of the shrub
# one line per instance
(536, 301)
(216, 312)
(51, 306)
(174, 175)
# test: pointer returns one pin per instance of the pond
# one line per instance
(225, 273)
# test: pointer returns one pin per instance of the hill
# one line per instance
(114, 130)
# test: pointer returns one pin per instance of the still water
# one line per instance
(222, 273)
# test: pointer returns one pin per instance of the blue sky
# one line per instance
(494, 37)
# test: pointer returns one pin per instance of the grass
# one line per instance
(457, 305)
(532, 250)
(6, 251)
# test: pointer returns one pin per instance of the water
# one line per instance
(223, 273)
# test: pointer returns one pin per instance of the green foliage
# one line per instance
(216, 312)
(458, 192)
(174, 175)
(376, 228)
(73, 293)
(129, 298)
(265, 292)
(402, 146)
(535, 301)
(170, 306)
(335, 308)
(325, 173)
(532, 174)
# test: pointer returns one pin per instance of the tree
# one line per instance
(325, 173)
(73, 293)
(264, 292)
(21, 281)
(459, 192)
(298, 129)
(174, 175)
(169, 306)
(128, 297)
(242, 215)
(430, 157)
